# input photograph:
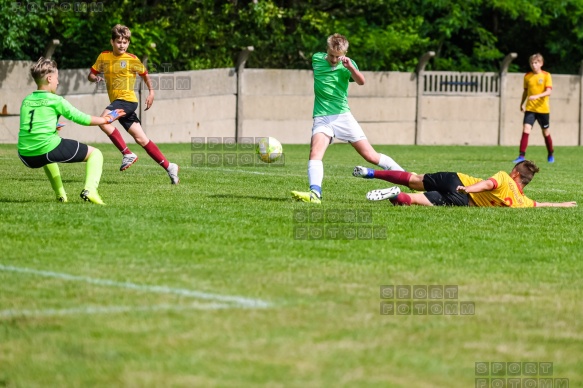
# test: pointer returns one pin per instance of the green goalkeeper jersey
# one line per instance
(330, 86)
(39, 115)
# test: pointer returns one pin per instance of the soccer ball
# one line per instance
(269, 149)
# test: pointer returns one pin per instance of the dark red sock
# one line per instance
(155, 153)
(523, 143)
(398, 177)
(403, 199)
(549, 144)
(119, 142)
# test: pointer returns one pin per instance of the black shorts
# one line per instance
(441, 189)
(68, 151)
(542, 118)
(130, 109)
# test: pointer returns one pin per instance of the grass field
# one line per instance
(205, 284)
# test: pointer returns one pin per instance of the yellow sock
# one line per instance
(93, 170)
(54, 175)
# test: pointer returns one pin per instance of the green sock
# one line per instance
(93, 170)
(54, 175)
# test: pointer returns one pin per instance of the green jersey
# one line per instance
(39, 114)
(330, 86)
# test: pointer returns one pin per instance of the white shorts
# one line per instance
(342, 127)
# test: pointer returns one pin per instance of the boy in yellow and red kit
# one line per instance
(538, 85)
(119, 69)
(457, 189)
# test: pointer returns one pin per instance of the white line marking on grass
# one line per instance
(348, 175)
(274, 173)
(91, 310)
(246, 172)
(237, 300)
(218, 169)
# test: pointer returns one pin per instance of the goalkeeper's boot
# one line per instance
(92, 196)
(62, 198)
(127, 161)
(173, 173)
(363, 172)
(306, 196)
(381, 194)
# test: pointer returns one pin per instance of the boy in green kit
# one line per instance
(39, 144)
(333, 71)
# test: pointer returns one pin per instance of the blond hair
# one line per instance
(337, 42)
(536, 56)
(121, 31)
(42, 68)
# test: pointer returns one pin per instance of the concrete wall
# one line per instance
(460, 120)
(279, 103)
(385, 106)
(206, 108)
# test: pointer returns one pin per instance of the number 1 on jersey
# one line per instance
(31, 113)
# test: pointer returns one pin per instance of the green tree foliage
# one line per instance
(476, 34)
(467, 35)
(25, 29)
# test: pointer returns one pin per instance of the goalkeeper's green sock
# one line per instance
(93, 170)
(54, 175)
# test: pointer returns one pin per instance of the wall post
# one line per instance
(51, 46)
(419, 74)
(141, 84)
(241, 60)
(502, 99)
(581, 104)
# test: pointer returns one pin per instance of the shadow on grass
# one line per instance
(230, 196)
(43, 178)
(15, 200)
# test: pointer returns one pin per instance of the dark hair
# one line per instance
(526, 169)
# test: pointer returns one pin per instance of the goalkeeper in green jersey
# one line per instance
(39, 144)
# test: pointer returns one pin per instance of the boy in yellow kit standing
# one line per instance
(538, 85)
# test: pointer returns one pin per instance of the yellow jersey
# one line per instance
(537, 84)
(506, 193)
(119, 73)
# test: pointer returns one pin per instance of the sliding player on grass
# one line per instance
(39, 144)
(457, 189)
